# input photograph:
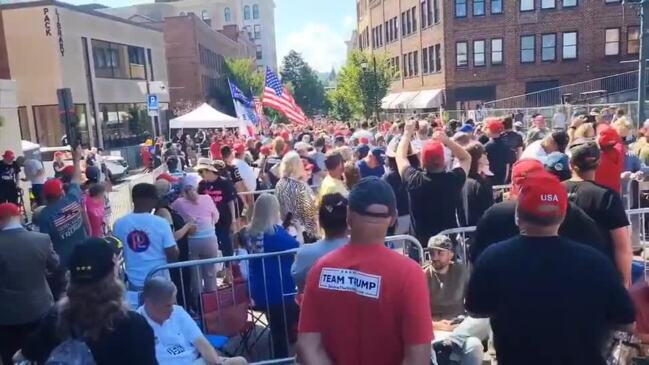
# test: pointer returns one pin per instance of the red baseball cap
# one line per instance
(494, 125)
(432, 153)
(264, 150)
(285, 135)
(363, 140)
(543, 196)
(607, 137)
(8, 210)
(68, 171)
(165, 176)
(239, 148)
(522, 170)
(53, 188)
(9, 154)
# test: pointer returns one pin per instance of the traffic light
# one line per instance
(68, 116)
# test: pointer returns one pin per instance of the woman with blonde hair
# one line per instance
(296, 199)
(94, 313)
(270, 278)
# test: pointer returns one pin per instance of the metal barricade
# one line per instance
(120, 198)
(499, 192)
(252, 296)
(460, 235)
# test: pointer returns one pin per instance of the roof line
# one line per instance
(59, 4)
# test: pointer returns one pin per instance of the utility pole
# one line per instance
(642, 65)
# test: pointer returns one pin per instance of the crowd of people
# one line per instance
(547, 270)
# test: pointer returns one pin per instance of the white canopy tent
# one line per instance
(205, 117)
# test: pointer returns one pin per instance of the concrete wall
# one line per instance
(40, 65)
(10, 128)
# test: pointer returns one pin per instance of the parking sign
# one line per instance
(153, 102)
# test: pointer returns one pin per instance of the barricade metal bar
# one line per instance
(262, 316)
(288, 360)
(462, 232)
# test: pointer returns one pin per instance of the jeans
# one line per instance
(466, 341)
(12, 339)
(283, 326)
(225, 240)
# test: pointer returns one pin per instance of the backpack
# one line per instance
(71, 352)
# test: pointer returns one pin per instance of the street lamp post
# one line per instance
(375, 82)
(643, 55)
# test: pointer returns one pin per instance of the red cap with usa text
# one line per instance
(8, 210)
(543, 196)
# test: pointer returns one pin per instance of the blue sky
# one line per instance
(316, 28)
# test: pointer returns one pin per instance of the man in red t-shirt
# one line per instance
(215, 148)
(363, 303)
(611, 162)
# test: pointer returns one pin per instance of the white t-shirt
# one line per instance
(247, 174)
(174, 339)
(535, 151)
(145, 237)
(32, 169)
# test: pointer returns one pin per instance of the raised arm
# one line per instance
(402, 148)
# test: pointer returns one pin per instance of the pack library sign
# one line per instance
(47, 24)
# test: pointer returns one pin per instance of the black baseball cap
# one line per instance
(584, 154)
(369, 191)
(91, 261)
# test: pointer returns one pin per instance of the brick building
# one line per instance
(196, 55)
(458, 53)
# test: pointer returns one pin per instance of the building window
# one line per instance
(227, 15)
(612, 45)
(438, 57)
(528, 49)
(478, 7)
(246, 12)
(633, 40)
(461, 54)
(612, 1)
(424, 60)
(548, 47)
(427, 18)
(436, 11)
(257, 31)
(415, 61)
(548, 4)
(108, 59)
(497, 51)
(206, 17)
(23, 122)
(255, 11)
(460, 8)
(569, 3)
(259, 54)
(527, 5)
(496, 6)
(569, 45)
(479, 53)
(413, 15)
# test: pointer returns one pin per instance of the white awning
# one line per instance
(401, 102)
(385, 102)
(426, 99)
(205, 117)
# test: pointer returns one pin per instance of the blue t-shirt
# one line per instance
(63, 221)
(272, 285)
(366, 171)
(145, 237)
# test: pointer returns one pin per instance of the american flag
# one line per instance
(259, 108)
(277, 97)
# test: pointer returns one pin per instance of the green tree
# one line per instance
(309, 93)
(339, 107)
(363, 82)
(243, 72)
